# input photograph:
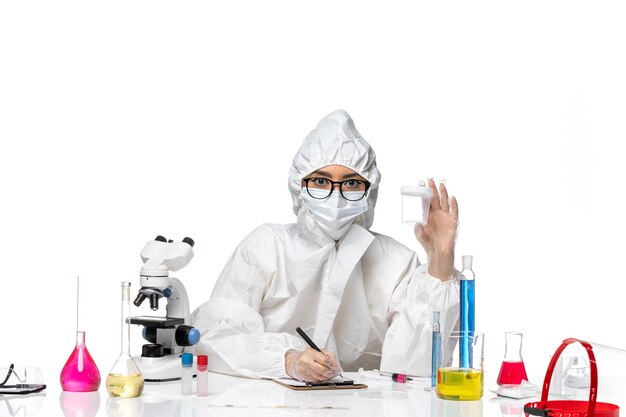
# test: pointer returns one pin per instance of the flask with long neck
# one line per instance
(468, 324)
(80, 373)
(125, 379)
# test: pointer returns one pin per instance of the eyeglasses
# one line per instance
(22, 387)
(10, 371)
(321, 188)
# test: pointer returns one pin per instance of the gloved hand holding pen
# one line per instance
(311, 366)
(438, 236)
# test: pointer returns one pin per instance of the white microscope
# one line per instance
(169, 335)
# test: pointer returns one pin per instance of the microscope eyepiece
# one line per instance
(189, 241)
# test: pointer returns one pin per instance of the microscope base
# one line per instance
(163, 369)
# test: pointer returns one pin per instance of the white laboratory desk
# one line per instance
(232, 396)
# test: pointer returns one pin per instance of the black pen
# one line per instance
(310, 342)
(307, 340)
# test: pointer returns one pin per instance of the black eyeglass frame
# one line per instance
(332, 187)
(6, 378)
(18, 389)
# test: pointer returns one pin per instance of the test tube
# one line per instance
(436, 348)
(187, 377)
(203, 376)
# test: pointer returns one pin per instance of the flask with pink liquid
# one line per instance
(80, 373)
(512, 370)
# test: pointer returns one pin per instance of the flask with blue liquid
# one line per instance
(468, 324)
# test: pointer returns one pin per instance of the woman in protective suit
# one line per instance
(362, 297)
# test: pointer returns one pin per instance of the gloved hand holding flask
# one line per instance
(438, 236)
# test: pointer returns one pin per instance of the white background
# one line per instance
(123, 120)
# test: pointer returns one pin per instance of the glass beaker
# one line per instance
(512, 370)
(415, 203)
(125, 379)
(455, 381)
(80, 373)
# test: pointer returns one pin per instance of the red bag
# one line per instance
(571, 408)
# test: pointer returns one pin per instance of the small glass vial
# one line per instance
(415, 203)
(187, 377)
(203, 376)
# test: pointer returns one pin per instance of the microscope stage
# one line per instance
(159, 322)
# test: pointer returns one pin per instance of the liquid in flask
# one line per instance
(512, 370)
(80, 372)
(125, 379)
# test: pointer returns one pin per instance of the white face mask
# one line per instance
(334, 215)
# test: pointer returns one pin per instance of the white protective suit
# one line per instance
(365, 297)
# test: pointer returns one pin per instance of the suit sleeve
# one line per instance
(408, 341)
(232, 329)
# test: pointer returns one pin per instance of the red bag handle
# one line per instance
(593, 389)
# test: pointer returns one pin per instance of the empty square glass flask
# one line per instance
(415, 203)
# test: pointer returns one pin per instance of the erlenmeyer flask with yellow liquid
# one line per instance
(125, 379)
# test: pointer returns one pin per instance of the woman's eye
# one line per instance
(320, 181)
(352, 183)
